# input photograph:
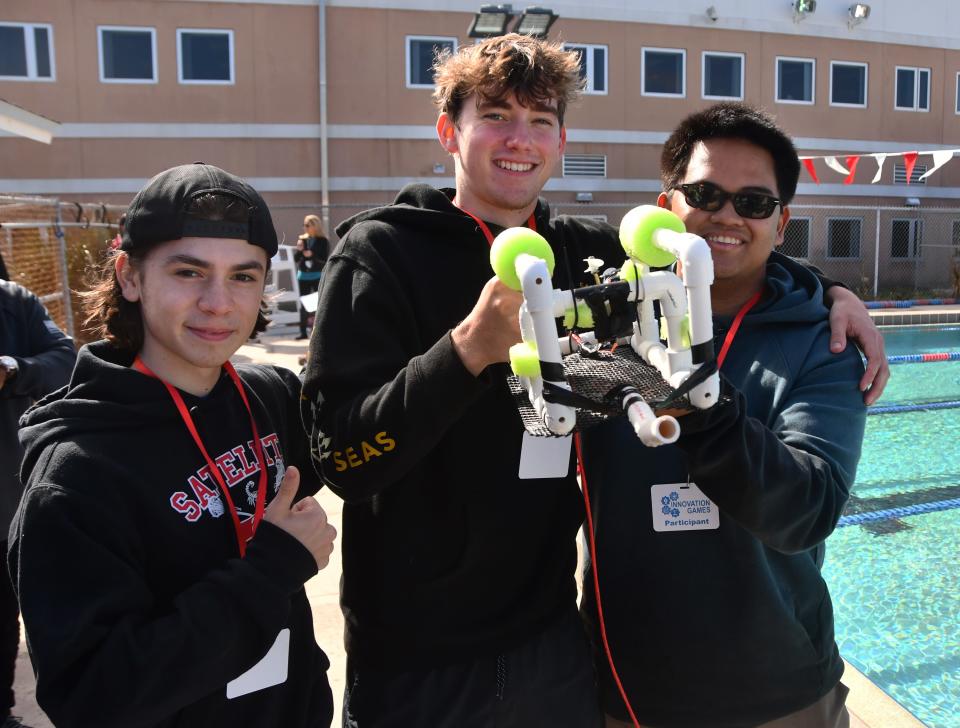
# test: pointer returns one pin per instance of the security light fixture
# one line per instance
(913, 202)
(584, 197)
(712, 14)
(535, 22)
(858, 13)
(492, 20)
(803, 8)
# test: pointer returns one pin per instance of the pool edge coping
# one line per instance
(872, 706)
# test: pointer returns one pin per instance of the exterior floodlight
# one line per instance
(858, 13)
(490, 21)
(712, 14)
(535, 22)
(803, 8)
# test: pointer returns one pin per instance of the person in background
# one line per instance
(36, 357)
(161, 547)
(313, 247)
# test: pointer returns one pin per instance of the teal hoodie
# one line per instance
(733, 625)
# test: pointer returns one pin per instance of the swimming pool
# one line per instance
(892, 567)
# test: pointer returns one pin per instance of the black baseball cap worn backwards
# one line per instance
(158, 214)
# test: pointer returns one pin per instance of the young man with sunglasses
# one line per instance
(709, 551)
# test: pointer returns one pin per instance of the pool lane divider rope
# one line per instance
(920, 358)
(913, 302)
(892, 408)
(858, 519)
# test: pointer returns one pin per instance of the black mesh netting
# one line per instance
(595, 377)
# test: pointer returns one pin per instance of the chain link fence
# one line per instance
(878, 252)
(48, 246)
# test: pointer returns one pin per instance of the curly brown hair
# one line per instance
(108, 315)
(534, 70)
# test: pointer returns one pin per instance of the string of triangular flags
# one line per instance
(940, 158)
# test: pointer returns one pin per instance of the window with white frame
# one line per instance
(593, 66)
(912, 92)
(127, 54)
(795, 80)
(848, 84)
(422, 51)
(796, 238)
(26, 52)
(843, 237)
(204, 56)
(663, 72)
(722, 75)
(906, 238)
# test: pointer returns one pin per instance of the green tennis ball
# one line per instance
(636, 234)
(513, 242)
(685, 338)
(524, 360)
(629, 271)
(584, 316)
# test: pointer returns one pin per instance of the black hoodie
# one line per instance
(447, 554)
(138, 609)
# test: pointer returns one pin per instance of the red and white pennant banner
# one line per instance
(940, 158)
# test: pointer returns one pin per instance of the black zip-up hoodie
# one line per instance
(447, 554)
(138, 609)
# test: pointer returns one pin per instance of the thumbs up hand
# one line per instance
(305, 520)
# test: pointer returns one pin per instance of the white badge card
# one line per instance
(270, 671)
(544, 457)
(682, 507)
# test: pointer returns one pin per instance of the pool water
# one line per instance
(895, 579)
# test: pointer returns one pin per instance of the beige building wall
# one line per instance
(266, 125)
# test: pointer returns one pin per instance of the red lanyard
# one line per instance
(735, 326)
(531, 223)
(244, 530)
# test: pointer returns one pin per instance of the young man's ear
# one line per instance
(782, 225)
(563, 138)
(663, 200)
(127, 277)
(447, 133)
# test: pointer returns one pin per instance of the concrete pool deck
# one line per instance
(869, 706)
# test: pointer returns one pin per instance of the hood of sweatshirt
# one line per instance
(792, 294)
(429, 209)
(104, 395)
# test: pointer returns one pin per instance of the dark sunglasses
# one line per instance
(710, 198)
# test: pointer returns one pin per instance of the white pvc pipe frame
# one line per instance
(542, 304)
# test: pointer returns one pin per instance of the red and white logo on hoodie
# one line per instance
(239, 467)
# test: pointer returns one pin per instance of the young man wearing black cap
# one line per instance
(161, 547)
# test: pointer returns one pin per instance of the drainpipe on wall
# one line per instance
(324, 167)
